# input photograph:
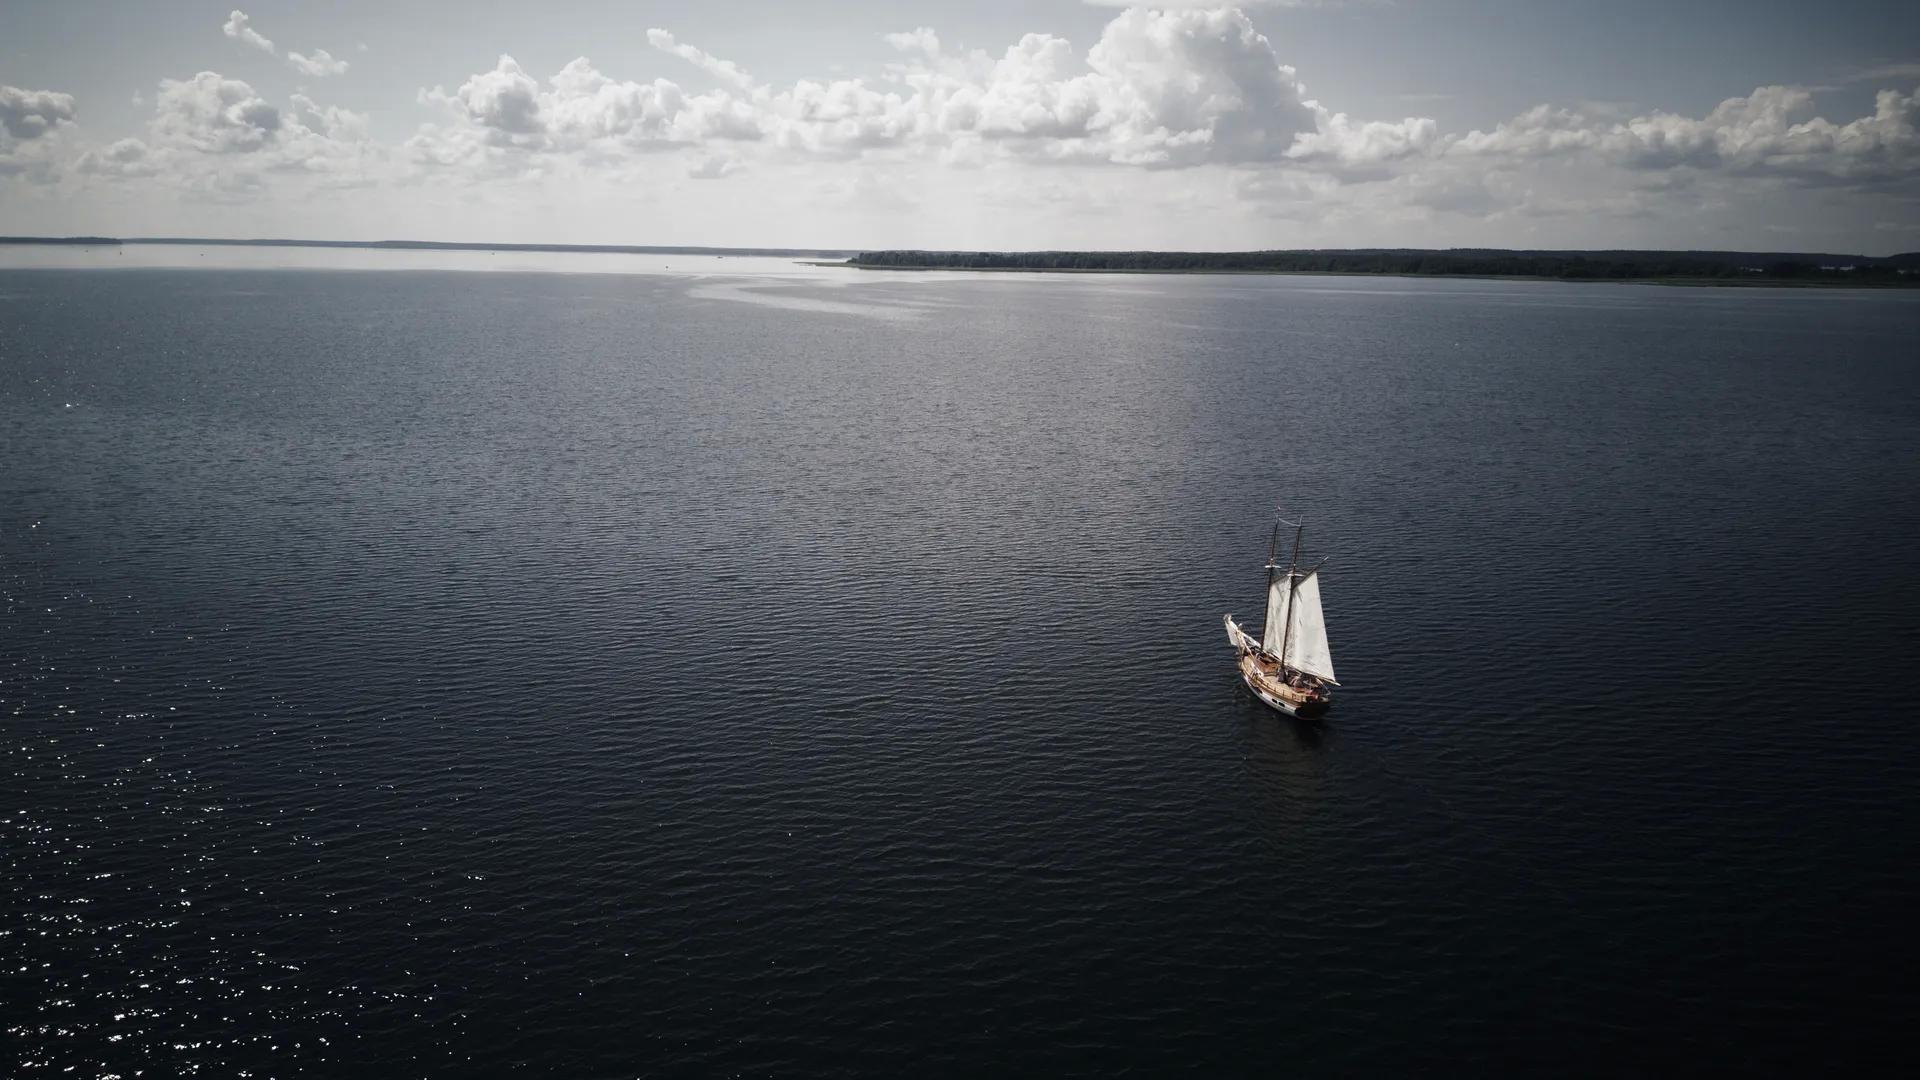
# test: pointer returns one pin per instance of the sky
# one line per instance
(1751, 125)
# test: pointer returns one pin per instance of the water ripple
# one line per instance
(597, 675)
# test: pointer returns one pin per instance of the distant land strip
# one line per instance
(427, 245)
(1674, 267)
(1703, 267)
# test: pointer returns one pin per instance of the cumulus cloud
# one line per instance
(1593, 168)
(1540, 131)
(505, 100)
(1162, 88)
(238, 29)
(320, 64)
(1341, 142)
(577, 109)
(1180, 87)
(214, 114)
(1771, 132)
(126, 158)
(29, 114)
(217, 138)
(1159, 89)
(30, 125)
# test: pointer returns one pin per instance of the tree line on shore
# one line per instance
(1574, 265)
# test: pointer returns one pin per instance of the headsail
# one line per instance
(1276, 615)
(1307, 639)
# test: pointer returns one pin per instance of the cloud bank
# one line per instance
(1770, 132)
(1160, 89)
(1191, 109)
(218, 138)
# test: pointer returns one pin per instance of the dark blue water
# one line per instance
(454, 674)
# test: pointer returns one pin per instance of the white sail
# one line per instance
(1307, 639)
(1240, 638)
(1276, 615)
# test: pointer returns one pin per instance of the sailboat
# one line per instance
(1289, 666)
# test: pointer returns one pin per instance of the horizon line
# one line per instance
(468, 245)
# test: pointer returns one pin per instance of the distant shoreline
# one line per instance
(422, 245)
(1663, 267)
(1680, 268)
(1907, 282)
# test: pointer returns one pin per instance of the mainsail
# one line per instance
(1307, 636)
(1276, 616)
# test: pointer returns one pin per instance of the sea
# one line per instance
(455, 664)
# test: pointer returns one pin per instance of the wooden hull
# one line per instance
(1262, 676)
(1290, 700)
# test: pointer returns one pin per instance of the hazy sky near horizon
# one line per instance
(1064, 124)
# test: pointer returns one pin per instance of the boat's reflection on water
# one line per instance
(1274, 732)
(1286, 761)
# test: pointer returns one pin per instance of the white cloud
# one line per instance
(320, 64)
(29, 114)
(1540, 131)
(578, 110)
(1164, 88)
(724, 70)
(1179, 5)
(1771, 132)
(1159, 89)
(1600, 172)
(32, 125)
(1187, 113)
(1342, 143)
(236, 28)
(505, 100)
(213, 114)
(330, 145)
(127, 158)
(920, 39)
(216, 138)
(1189, 88)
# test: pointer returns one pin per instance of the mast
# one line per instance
(1273, 548)
(1293, 582)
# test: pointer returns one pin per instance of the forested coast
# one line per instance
(1729, 267)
